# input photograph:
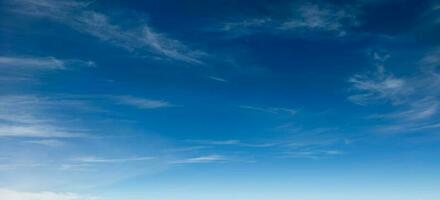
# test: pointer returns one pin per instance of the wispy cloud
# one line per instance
(16, 195)
(321, 17)
(414, 98)
(35, 63)
(373, 87)
(431, 59)
(378, 87)
(34, 116)
(202, 159)
(40, 63)
(41, 131)
(304, 17)
(46, 142)
(25, 68)
(232, 143)
(92, 159)
(215, 78)
(142, 102)
(313, 154)
(275, 110)
(216, 142)
(417, 110)
(141, 38)
(26, 116)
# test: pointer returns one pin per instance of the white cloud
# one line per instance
(92, 159)
(202, 159)
(275, 110)
(170, 47)
(246, 26)
(24, 68)
(46, 142)
(141, 38)
(142, 102)
(248, 23)
(414, 98)
(232, 143)
(38, 116)
(216, 142)
(8, 194)
(40, 63)
(320, 17)
(313, 154)
(304, 17)
(28, 116)
(217, 79)
(432, 59)
(417, 110)
(32, 62)
(39, 131)
(378, 86)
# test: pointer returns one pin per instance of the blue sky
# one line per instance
(147, 100)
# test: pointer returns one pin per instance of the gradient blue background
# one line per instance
(143, 100)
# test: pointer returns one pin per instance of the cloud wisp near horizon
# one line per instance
(131, 100)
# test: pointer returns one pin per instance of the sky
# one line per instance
(219, 100)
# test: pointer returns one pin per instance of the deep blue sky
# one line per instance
(147, 100)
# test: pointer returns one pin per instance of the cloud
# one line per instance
(48, 116)
(313, 154)
(417, 110)
(431, 59)
(38, 131)
(92, 159)
(202, 159)
(16, 195)
(407, 127)
(140, 38)
(275, 110)
(40, 63)
(29, 62)
(321, 17)
(46, 142)
(303, 18)
(414, 98)
(142, 102)
(24, 68)
(217, 79)
(216, 142)
(29, 116)
(232, 143)
(11, 166)
(379, 86)
(246, 26)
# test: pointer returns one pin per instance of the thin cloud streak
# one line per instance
(232, 143)
(38, 131)
(275, 110)
(202, 159)
(313, 154)
(217, 79)
(47, 142)
(29, 116)
(41, 63)
(27, 68)
(141, 38)
(16, 195)
(35, 63)
(414, 99)
(142, 103)
(92, 159)
(303, 18)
